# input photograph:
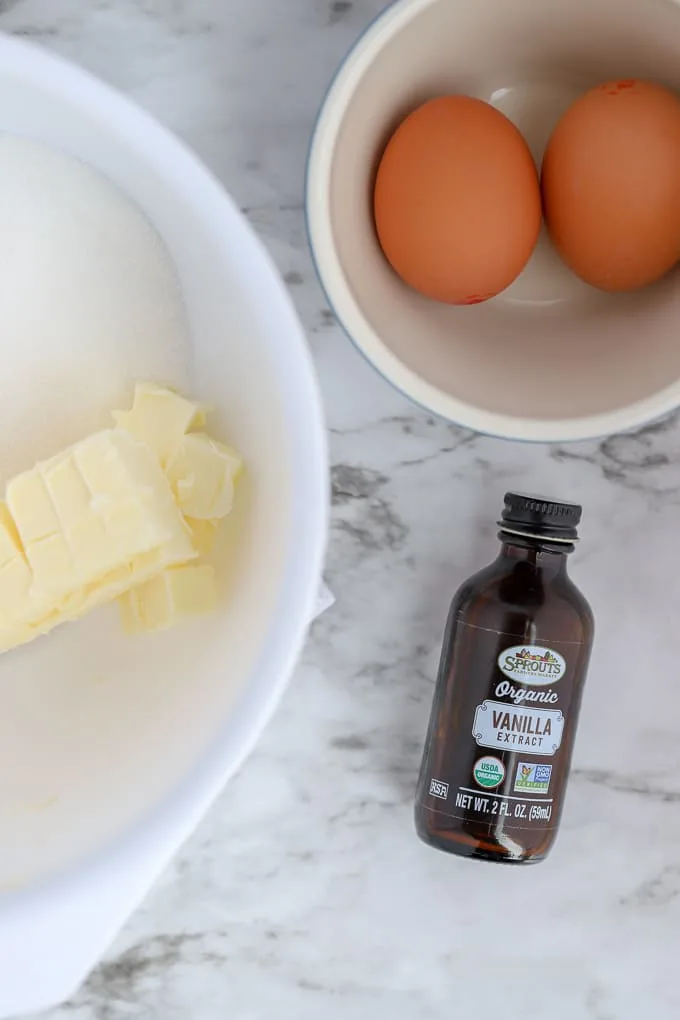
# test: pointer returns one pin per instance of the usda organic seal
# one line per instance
(488, 772)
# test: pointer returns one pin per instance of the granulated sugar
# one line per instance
(89, 303)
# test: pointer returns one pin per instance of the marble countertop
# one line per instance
(305, 893)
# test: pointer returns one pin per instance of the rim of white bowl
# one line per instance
(158, 834)
(347, 311)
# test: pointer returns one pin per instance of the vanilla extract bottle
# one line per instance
(508, 693)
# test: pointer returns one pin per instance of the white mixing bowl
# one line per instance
(550, 358)
(110, 748)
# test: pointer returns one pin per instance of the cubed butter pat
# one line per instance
(11, 636)
(94, 510)
(167, 599)
(10, 543)
(124, 514)
(159, 418)
(202, 473)
(14, 634)
(203, 534)
(29, 499)
(17, 601)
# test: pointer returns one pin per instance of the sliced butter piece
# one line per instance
(16, 603)
(87, 518)
(27, 497)
(16, 577)
(169, 598)
(202, 474)
(18, 634)
(159, 418)
(13, 635)
(101, 521)
(203, 534)
(10, 543)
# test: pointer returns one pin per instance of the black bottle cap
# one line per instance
(547, 519)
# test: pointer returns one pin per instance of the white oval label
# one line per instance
(532, 664)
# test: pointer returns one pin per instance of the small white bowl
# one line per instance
(550, 359)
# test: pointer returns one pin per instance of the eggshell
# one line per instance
(457, 200)
(611, 184)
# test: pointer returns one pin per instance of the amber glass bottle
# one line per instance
(508, 693)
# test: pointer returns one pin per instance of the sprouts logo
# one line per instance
(533, 665)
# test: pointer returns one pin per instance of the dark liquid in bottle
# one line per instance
(508, 694)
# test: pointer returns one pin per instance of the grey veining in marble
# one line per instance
(305, 894)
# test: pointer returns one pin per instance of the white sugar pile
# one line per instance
(89, 303)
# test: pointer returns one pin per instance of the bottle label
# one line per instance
(532, 664)
(502, 731)
(506, 727)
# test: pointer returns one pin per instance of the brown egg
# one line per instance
(457, 201)
(611, 184)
